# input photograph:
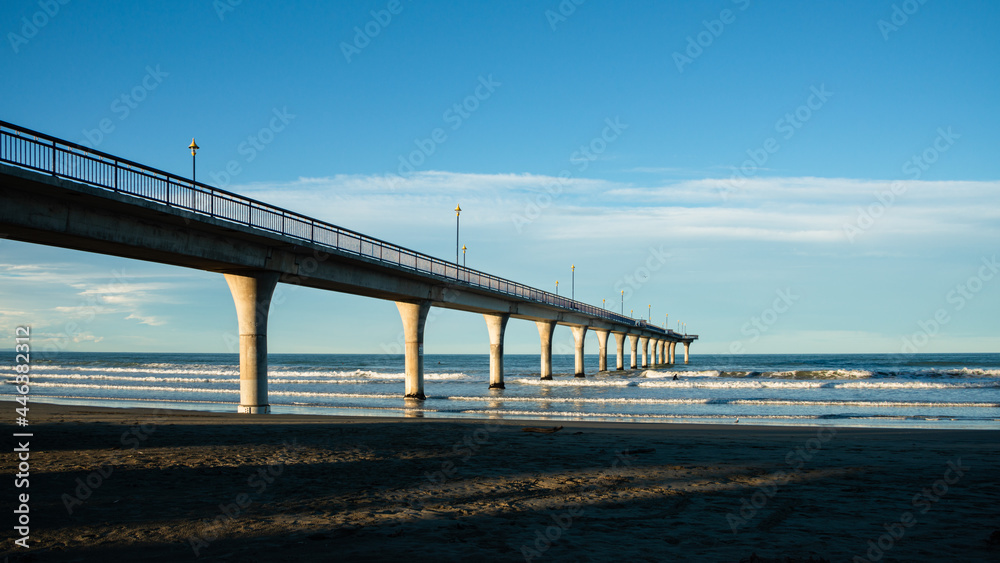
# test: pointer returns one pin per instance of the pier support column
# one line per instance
(687, 349)
(661, 357)
(634, 342)
(545, 329)
(496, 324)
(670, 349)
(644, 342)
(620, 345)
(252, 296)
(579, 335)
(602, 350)
(414, 316)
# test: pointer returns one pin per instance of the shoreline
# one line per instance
(885, 422)
(286, 487)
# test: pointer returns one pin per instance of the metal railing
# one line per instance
(32, 150)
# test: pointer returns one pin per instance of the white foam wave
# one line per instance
(814, 384)
(718, 401)
(141, 388)
(658, 374)
(276, 377)
(645, 416)
(576, 382)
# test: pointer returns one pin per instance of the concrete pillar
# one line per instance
(660, 345)
(545, 329)
(620, 344)
(687, 348)
(414, 316)
(602, 350)
(579, 335)
(496, 324)
(673, 346)
(634, 342)
(644, 342)
(252, 296)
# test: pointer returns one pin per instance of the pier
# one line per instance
(62, 194)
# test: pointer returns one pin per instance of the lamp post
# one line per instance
(557, 287)
(194, 147)
(631, 313)
(604, 303)
(623, 302)
(650, 315)
(458, 211)
(463, 255)
(572, 283)
(666, 319)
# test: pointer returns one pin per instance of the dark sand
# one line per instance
(342, 489)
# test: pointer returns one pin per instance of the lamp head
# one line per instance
(193, 146)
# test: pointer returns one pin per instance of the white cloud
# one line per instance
(116, 293)
(798, 209)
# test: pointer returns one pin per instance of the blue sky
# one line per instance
(783, 177)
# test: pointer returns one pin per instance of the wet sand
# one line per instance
(156, 485)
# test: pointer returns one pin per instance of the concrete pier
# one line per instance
(496, 325)
(252, 296)
(579, 335)
(545, 329)
(687, 351)
(672, 347)
(414, 315)
(644, 342)
(659, 352)
(602, 349)
(634, 343)
(620, 346)
(115, 213)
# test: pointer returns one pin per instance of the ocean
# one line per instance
(922, 390)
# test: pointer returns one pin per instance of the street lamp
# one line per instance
(631, 313)
(623, 302)
(557, 287)
(604, 304)
(650, 319)
(572, 283)
(458, 211)
(194, 147)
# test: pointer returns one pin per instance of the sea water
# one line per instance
(925, 390)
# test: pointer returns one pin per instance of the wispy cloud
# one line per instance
(802, 209)
(116, 293)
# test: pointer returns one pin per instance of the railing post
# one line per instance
(53, 158)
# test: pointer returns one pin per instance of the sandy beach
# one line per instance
(156, 485)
